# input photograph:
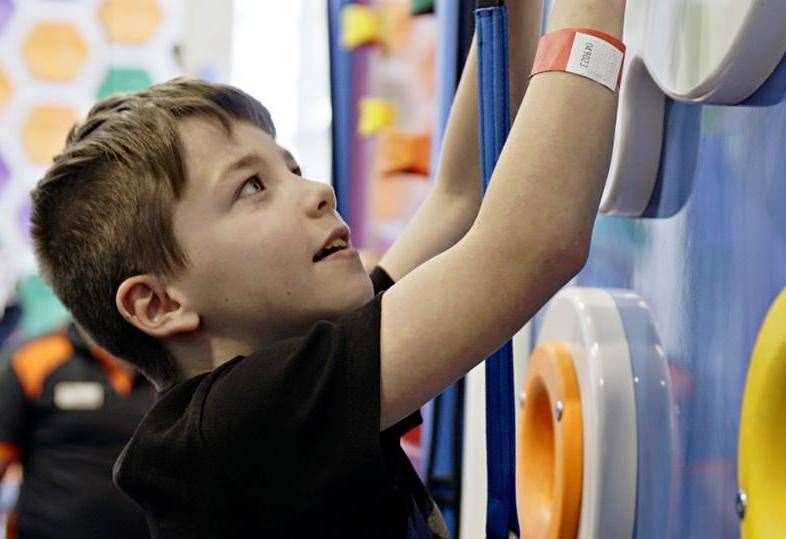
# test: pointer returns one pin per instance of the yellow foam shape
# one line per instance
(5, 89)
(130, 21)
(375, 114)
(762, 454)
(550, 461)
(45, 131)
(361, 25)
(54, 51)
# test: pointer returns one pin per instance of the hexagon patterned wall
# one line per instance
(57, 59)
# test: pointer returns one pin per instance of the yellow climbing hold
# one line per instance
(375, 114)
(762, 457)
(361, 25)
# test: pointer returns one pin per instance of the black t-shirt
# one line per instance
(65, 414)
(282, 443)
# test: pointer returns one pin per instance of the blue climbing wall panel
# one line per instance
(709, 258)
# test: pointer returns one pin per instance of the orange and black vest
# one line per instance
(66, 411)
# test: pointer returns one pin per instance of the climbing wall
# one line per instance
(709, 262)
(697, 233)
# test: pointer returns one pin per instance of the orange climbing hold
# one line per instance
(403, 153)
(550, 460)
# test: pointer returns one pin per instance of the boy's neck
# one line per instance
(201, 351)
(195, 356)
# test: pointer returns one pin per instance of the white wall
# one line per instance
(280, 56)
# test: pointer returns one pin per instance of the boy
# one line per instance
(183, 237)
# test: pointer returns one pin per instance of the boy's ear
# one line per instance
(154, 308)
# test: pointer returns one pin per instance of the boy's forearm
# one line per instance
(452, 205)
(458, 172)
(603, 15)
(546, 188)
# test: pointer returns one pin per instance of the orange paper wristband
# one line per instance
(589, 53)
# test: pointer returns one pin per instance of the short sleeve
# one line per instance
(12, 412)
(380, 279)
(298, 423)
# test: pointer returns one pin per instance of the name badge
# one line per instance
(79, 395)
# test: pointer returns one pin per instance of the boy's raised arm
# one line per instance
(452, 204)
(530, 237)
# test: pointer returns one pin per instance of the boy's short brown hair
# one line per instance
(103, 210)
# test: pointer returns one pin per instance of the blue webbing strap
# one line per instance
(341, 95)
(447, 22)
(494, 101)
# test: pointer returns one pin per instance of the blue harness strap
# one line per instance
(494, 101)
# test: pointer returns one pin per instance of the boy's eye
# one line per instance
(252, 186)
(296, 170)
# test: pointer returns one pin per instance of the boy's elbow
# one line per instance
(566, 259)
(581, 251)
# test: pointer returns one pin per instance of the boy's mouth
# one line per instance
(337, 241)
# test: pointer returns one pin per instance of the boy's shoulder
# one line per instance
(162, 448)
(224, 411)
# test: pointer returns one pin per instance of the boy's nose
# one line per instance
(321, 199)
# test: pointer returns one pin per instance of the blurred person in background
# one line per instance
(67, 408)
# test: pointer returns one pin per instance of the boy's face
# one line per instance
(251, 227)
